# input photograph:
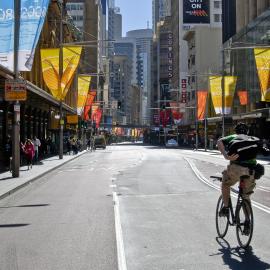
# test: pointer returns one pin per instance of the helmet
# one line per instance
(241, 128)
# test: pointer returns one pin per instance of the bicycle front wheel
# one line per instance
(244, 223)
(222, 222)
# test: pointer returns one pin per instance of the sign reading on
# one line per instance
(15, 90)
(196, 12)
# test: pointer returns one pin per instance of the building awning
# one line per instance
(40, 92)
(261, 113)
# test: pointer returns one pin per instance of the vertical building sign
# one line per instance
(196, 12)
(184, 91)
(170, 55)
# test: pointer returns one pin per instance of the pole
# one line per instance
(61, 137)
(158, 85)
(196, 112)
(223, 93)
(206, 121)
(16, 120)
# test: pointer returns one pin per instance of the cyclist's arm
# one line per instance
(221, 148)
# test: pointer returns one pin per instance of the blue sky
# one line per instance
(135, 14)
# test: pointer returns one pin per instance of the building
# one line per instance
(38, 113)
(143, 40)
(252, 31)
(75, 10)
(122, 87)
(160, 10)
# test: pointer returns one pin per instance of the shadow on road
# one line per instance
(239, 258)
(13, 225)
(26, 205)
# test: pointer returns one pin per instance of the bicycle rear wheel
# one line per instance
(222, 222)
(244, 223)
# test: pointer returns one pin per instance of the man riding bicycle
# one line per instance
(242, 162)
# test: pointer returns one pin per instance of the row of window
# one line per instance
(74, 6)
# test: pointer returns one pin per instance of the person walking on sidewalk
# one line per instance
(8, 151)
(37, 144)
(29, 152)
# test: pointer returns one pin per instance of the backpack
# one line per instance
(247, 147)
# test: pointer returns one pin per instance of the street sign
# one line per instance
(15, 90)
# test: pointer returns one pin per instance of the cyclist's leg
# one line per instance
(229, 178)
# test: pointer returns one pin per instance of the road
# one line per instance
(143, 207)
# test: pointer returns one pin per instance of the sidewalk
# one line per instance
(8, 184)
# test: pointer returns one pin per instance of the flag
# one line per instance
(201, 104)
(83, 89)
(262, 58)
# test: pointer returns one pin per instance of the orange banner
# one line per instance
(262, 58)
(243, 97)
(90, 99)
(50, 69)
(201, 104)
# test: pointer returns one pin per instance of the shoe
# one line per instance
(246, 230)
(224, 212)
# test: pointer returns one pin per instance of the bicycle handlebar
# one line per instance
(219, 178)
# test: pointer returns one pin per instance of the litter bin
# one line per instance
(211, 144)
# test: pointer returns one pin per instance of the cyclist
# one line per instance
(237, 168)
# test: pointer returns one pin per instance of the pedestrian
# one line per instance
(37, 144)
(29, 152)
(8, 151)
(49, 145)
(68, 146)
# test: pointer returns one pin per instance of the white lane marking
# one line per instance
(266, 189)
(122, 264)
(206, 181)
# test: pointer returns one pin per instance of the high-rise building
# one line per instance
(160, 10)
(75, 9)
(143, 40)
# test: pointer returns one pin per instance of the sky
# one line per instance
(135, 14)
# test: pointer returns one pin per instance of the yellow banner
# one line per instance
(83, 88)
(216, 92)
(71, 58)
(262, 58)
(215, 83)
(50, 69)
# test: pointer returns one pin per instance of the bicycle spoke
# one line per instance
(244, 223)
(222, 222)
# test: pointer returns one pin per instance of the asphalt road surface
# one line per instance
(129, 207)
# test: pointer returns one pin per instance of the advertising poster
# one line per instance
(33, 13)
(196, 12)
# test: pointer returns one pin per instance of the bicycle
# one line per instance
(242, 217)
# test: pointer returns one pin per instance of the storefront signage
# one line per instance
(15, 90)
(72, 119)
(196, 12)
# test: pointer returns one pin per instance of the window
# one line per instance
(216, 4)
(217, 17)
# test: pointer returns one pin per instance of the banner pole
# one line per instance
(16, 111)
(223, 93)
(196, 112)
(59, 84)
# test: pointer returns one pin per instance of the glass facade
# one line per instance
(240, 62)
